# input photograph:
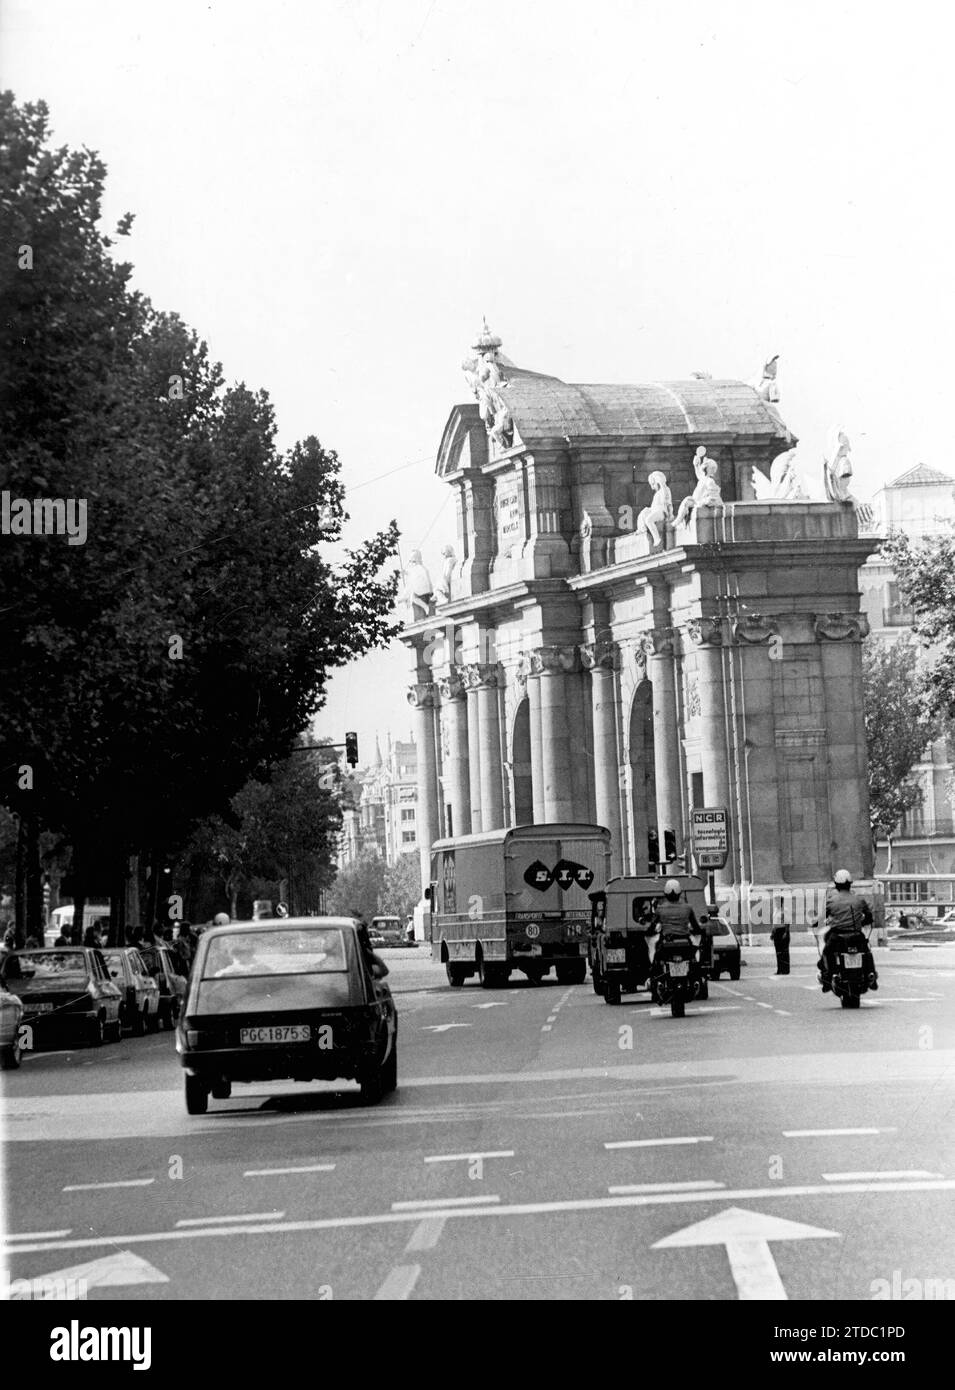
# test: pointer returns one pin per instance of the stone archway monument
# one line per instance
(656, 538)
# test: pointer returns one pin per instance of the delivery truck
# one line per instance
(516, 900)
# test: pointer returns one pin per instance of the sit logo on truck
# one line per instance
(565, 874)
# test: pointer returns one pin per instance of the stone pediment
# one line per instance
(463, 443)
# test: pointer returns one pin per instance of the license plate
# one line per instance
(529, 951)
(679, 967)
(39, 1008)
(852, 962)
(616, 957)
(287, 1033)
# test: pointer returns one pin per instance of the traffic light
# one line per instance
(351, 750)
(669, 846)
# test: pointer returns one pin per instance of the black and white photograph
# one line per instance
(477, 634)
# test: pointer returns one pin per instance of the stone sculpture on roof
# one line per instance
(837, 470)
(487, 381)
(419, 590)
(765, 384)
(653, 519)
(707, 491)
(447, 573)
(785, 483)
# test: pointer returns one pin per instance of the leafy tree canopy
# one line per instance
(899, 723)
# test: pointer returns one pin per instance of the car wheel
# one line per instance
(138, 1027)
(114, 1031)
(221, 1089)
(152, 1021)
(10, 1056)
(734, 974)
(197, 1096)
(704, 991)
(714, 973)
(372, 1085)
(491, 976)
(612, 992)
(457, 974)
(97, 1031)
(390, 1069)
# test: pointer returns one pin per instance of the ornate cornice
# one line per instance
(706, 631)
(422, 695)
(755, 627)
(841, 627)
(602, 655)
(452, 686)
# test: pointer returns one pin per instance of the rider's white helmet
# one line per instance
(842, 878)
(672, 888)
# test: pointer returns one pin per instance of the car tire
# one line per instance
(734, 973)
(96, 1031)
(457, 974)
(221, 1089)
(10, 1056)
(114, 1031)
(491, 976)
(197, 1096)
(389, 1074)
(572, 972)
(138, 1025)
(372, 1085)
(714, 973)
(152, 1021)
(612, 992)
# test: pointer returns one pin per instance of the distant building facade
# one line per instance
(384, 817)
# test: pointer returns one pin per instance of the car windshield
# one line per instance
(46, 965)
(114, 964)
(302, 951)
(718, 928)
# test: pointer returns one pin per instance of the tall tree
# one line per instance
(899, 724)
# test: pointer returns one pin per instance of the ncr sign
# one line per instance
(709, 827)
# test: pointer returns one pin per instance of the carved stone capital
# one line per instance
(481, 675)
(422, 695)
(452, 686)
(553, 661)
(602, 655)
(841, 627)
(707, 631)
(754, 627)
(657, 642)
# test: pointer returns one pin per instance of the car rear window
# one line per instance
(718, 928)
(36, 967)
(298, 951)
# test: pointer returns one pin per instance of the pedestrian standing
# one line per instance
(780, 938)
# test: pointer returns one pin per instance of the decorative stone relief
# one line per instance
(754, 627)
(449, 564)
(653, 519)
(658, 642)
(707, 491)
(785, 483)
(765, 383)
(706, 631)
(481, 675)
(841, 627)
(419, 590)
(602, 654)
(485, 376)
(421, 695)
(550, 661)
(693, 706)
(452, 686)
(837, 470)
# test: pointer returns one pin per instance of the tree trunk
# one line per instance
(79, 876)
(152, 889)
(133, 922)
(20, 889)
(117, 900)
(34, 881)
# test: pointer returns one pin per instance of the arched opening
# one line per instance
(643, 792)
(521, 764)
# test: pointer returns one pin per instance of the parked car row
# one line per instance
(74, 994)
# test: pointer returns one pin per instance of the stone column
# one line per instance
(658, 649)
(454, 718)
(707, 635)
(421, 697)
(757, 639)
(537, 750)
(600, 659)
(483, 679)
(474, 758)
(840, 636)
(551, 665)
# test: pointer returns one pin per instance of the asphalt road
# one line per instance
(540, 1145)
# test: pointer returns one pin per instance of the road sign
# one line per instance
(709, 828)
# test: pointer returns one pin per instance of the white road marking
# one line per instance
(827, 1133)
(650, 1199)
(41, 1235)
(96, 1186)
(456, 1158)
(397, 1287)
(696, 1009)
(492, 1004)
(701, 1185)
(427, 1235)
(912, 1173)
(439, 1203)
(443, 1027)
(746, 1235)
(761, 1005)
(111, 1271)
(653, 1143)
(907, 999)
(552, 1018)
(224, 1220)
(270, 1172)
(547, 1028)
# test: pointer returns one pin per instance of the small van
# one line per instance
(61, 920)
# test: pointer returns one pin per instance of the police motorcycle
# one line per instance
(845, 955)
(621, 930)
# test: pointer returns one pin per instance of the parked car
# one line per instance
(172, 984)
(288, 999)
(127, 969)
(65, 992)
(391, 931)
(11, 1013)
(375, 937)
(727, 953)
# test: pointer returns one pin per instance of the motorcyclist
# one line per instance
(846, 915)
(673, 918)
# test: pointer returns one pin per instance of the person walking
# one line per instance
(780, 938)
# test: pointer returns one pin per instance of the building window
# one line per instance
(407, 837)
(407, 814)
(897, 613)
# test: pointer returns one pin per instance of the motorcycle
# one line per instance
(846, 956)
(677, 976)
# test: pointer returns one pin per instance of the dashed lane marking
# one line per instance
(41, 1235)
(277, 1172)
(440, 1203)
(648, 1199)
(827, 1133)
(654, 1143)
(466, 1158)
(427, 1235)
(399, 1284)
(224, 1220)
(701, 1185)
(96, 1186)
(908, 1173)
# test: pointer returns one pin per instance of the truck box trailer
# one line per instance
(516, 899)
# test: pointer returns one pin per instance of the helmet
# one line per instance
(672, 888)
(842, 878)
(221, 919)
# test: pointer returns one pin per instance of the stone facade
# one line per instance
(582, 671)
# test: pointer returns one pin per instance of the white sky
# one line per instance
(333, 192)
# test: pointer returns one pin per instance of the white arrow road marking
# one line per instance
(427, 1235)
(746, 1235)
(443, 1027)
(492, 1004)
(110, 1272)
(397, 1287)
